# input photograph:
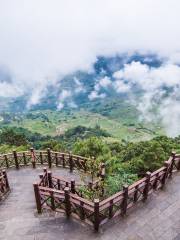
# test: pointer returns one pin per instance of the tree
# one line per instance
(11, 137)
(91, 147)
(54, 145)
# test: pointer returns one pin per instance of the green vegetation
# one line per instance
(125, 161)
(127, 148)
(54, 123)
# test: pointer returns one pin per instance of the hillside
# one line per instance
(54, 123)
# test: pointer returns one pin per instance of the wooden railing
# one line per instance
(4, 184)
(60, 195)
(49, 158)
(63, 197)
(58, 183)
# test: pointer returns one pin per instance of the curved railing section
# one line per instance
(49, 158)
(60, 195)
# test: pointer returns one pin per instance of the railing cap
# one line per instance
(96, 200)
(35, 184)
(125, 187)
(173, 153)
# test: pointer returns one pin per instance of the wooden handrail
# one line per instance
(70, 202)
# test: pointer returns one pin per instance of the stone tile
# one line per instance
(157, 218)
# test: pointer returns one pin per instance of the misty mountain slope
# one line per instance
(131, 89)
(79, 83)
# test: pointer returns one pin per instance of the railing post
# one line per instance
(41, 158)
(111, 209)
(2, 186)
(46, 178)
(37, 198)
(82, 213)
(6, 179)
(70, 162)
(33, 158)
(96, 215)
(173, 155)
(63, 161)
(6, 160)
(67, 202)
(166, 165)
(125, 200)
(59, 184)
(50, 183)
(45, 170)
(178, 164)
(56, 159)
(136, 194)
(16, 159)
(73, 190)
(155, 185)
(41, 177)
(90, 185)
(49, 157)
(52, 201)
(24, 158)
(146, 188)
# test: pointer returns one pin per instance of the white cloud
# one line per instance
(105, 82)
(170, 113)
(60, 106)
(64, 94)
(150, 78)
(72, 104)
(121, 87)
(94, 95)
(79, 88)
(9, 90)
(161, 97)
(36, 95)
(41, 40)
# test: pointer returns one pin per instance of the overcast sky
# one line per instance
(41, 38)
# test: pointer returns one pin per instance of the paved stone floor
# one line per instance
(158, 218)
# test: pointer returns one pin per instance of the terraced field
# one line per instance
(56, 123)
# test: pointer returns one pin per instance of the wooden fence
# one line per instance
(49, 158)
(60, 195)
(4, 184)
(63, 197)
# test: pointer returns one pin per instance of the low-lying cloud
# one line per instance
(160, 96)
